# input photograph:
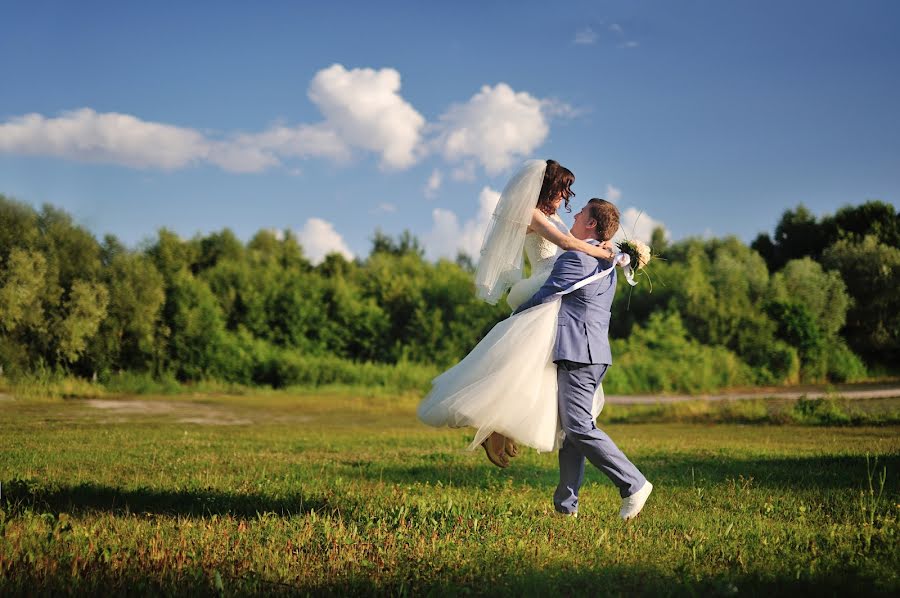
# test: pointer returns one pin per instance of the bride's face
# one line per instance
(557, 201)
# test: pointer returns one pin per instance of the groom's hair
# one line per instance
(607, 217)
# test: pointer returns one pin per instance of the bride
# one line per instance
(506, 386)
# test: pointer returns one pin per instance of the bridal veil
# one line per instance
(501, 262)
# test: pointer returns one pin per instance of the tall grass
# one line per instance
(290, 372)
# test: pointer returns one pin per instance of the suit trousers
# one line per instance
(576, 383)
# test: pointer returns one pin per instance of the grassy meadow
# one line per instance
(339, 493)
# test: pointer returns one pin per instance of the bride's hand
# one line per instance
(603, 251)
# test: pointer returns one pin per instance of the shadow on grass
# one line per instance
(676, 471)
(502, 579)
(87, 497)
(685, 470)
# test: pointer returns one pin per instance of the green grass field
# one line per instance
(336, 494)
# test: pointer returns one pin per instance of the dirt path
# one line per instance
(854, 391)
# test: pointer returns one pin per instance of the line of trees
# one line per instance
(817, 302)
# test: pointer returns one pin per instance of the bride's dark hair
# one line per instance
(557, 179)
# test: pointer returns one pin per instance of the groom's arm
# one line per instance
(566, 271)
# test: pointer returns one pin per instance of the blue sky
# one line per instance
(335, 119)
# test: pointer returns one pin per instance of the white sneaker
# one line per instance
(632, 505)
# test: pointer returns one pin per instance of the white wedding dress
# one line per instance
(507, 383)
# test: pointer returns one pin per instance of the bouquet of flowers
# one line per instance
(639, 256)
(638, 251)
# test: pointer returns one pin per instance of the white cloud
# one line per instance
(278, 233)
(318, 238)
(364, 108)
(627, 44)
(302, 141)
(465, 172)
(241, 156)
(114, 138)
(586, 36)
(91, 137)
(497, 127)
(634, 224)
(385, 207)
(433, 184)
(448, 237)
(554, 108)
(613, 194)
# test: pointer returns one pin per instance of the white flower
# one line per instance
(638, 251)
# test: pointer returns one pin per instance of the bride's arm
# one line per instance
(544, 228)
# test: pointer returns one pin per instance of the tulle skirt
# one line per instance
(524, 289)
(506, 384)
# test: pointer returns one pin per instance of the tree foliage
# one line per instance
(799, 307)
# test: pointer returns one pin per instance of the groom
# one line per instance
(582, 356)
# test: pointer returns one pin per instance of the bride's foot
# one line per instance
(511, 448)
(494, 447)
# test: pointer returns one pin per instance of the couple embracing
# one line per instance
(535, 378)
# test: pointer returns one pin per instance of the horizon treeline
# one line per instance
(816, 302)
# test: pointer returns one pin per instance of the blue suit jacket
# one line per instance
(583, 322)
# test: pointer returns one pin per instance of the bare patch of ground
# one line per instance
(132, 407)
(214, 421)
(187, 412)
(199, 412)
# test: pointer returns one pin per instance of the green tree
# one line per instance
(197, 328)
(875, 218)
(22, 282)
(797, 234)
(217, 247)
(824, 294)
(871, 270)
(797, 326)
(130, 334)
(84, 309)
(18, 226)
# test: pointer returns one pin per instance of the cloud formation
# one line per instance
(91, 137)
(586, 36)
(433, 183)
(385, 208)
(635, 224)
(362, 111)
(448, 236)
(318, 238)
(613, 194)
(497, 126)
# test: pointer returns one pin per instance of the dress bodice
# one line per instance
(542, 253)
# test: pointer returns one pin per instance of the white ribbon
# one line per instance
(620, 259)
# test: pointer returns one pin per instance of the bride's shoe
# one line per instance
(497, 458)
(511, 448)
